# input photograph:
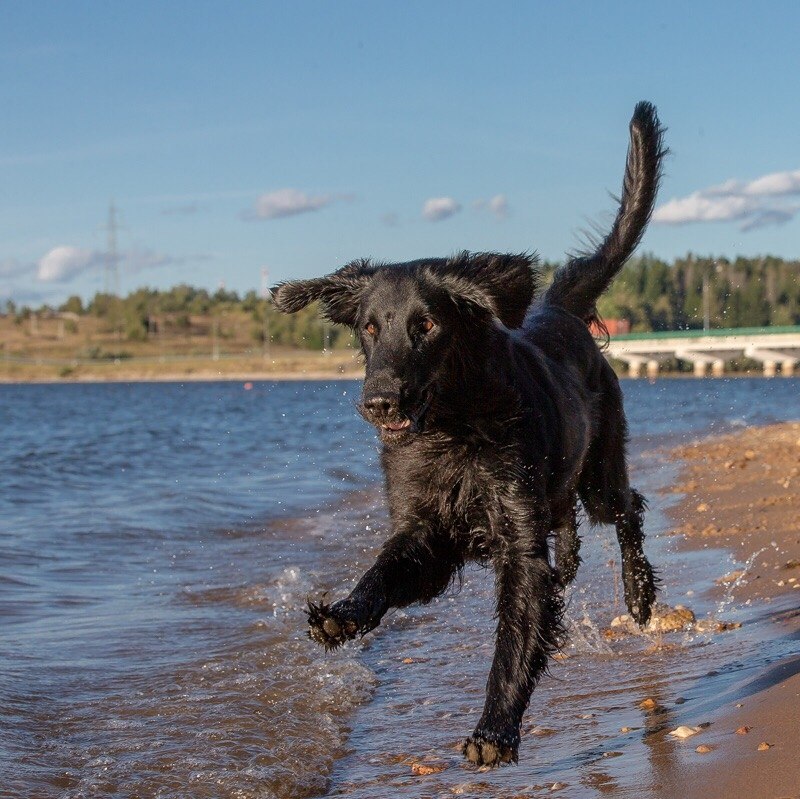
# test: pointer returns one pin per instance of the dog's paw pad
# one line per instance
(488, 753)
(327, 629)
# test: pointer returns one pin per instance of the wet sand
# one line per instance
(742, 493)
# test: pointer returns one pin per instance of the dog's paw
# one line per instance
(328, 627)
(483, 752)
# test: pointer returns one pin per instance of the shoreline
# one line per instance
(246, 377)
(288, 375)
(741, 495)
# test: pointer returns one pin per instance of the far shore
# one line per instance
(302, 366)
(291, 365)
(195, 377)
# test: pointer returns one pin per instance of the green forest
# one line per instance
(651, 294)
(746, 292)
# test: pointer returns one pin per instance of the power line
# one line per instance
(111, 271)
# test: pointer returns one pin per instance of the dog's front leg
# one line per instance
(529, 607)
(412, 567)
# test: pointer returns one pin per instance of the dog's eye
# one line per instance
(370, 328)
(427, 325)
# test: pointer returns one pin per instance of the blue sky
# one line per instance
(298, 136)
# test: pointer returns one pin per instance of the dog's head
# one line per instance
(419, 323)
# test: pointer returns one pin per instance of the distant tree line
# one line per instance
(191, 311)
(746, 292)
(650, 293)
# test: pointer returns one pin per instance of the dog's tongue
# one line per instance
(398, 425)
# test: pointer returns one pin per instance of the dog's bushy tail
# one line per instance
(579, 283)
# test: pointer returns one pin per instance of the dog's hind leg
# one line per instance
(412, 567)
(608, 499)
(638, 579)
(624, 508)
(567, 548)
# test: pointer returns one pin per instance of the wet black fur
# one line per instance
(497, 412)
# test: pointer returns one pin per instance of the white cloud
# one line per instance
(753, 204)
(437, 208)
(497, 205)
(65, 262)
(775, 185)
(289, 202)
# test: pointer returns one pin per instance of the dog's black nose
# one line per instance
(381, 404)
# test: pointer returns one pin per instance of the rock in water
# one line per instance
(684, 732)
(664, 619)
(423, 769)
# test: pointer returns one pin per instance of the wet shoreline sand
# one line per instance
(741, 493)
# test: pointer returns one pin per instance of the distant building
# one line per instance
(615, 327)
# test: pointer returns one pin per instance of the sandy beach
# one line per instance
(742, 493)
(295, 365)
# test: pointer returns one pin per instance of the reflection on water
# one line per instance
(157, 546)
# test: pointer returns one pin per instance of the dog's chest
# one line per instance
(453, 490)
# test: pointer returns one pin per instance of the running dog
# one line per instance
(497, 413)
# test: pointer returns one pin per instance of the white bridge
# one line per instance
(704, 349)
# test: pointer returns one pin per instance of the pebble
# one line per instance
(703, 749)
(702, 507)
(648, 704)
(684, 732)
(715, 626)
(763, 746)
(423, 769)
(557, 786)
(743, 730)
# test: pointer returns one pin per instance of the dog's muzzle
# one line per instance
(383, 411)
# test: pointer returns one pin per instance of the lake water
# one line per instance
(157, 546)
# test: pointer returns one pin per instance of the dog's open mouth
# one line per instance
(396, 427)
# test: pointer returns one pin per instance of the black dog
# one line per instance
(495, 416)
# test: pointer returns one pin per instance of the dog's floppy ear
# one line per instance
(339, 293)
(501, 284)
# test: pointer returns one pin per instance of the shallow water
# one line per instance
(158, 542)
